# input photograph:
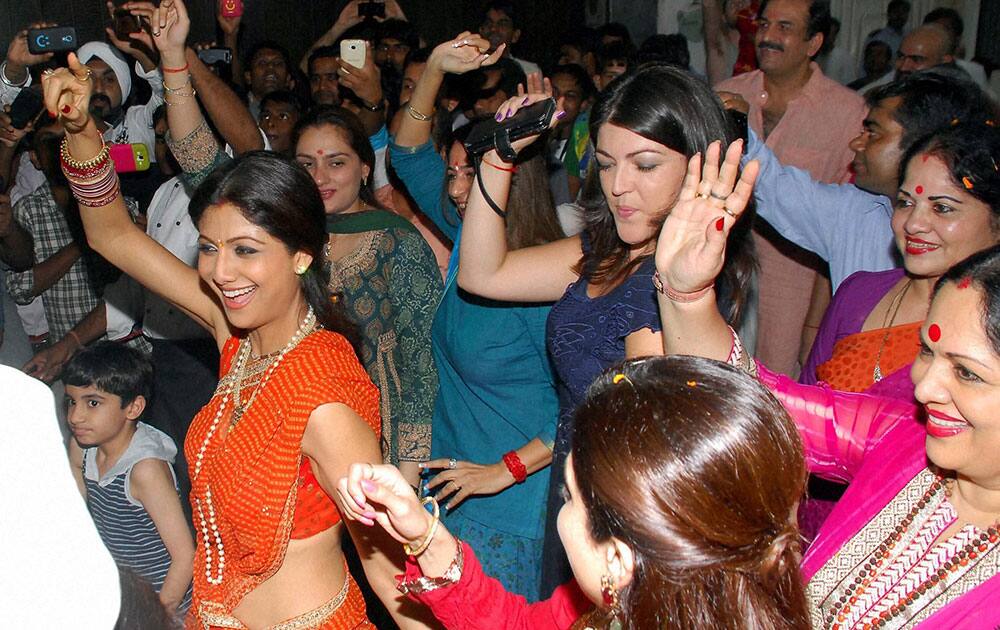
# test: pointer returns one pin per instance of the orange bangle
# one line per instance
(508, 169)
(169, 70)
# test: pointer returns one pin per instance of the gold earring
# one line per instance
(609, 593)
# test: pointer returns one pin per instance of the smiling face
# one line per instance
(96, 417)
(936, 223)
(641, 179)
(333, 165)
(877, 151)
(783, 44)
(957, 378)
(460, 176)
(566, 86)
(251, 272)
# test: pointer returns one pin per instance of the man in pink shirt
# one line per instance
(807, 119)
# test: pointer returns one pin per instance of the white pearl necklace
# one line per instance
(210, 523)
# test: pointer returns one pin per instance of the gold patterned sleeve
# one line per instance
(199, 153)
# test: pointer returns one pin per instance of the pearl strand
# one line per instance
(304, 329)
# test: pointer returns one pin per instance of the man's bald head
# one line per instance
(925, 47)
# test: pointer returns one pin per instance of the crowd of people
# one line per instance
(715, 343)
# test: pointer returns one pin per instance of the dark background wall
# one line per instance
(296, 23)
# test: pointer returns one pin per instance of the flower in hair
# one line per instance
(954, 121)
(967, 183)
(619, 377)
(692, 383)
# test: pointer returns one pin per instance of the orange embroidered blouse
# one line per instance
(852, 364)
(262, 489)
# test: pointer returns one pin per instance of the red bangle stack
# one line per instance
(515, 466)
(94, 183)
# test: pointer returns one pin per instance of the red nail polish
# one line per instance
(52, 114)
(66, 109)
(721, 223)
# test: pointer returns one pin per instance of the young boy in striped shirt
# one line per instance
(124, 470)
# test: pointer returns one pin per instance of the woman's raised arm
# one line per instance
(109, 228)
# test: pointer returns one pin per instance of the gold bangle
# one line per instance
(410, 551)
(84, 165)
(414, 114)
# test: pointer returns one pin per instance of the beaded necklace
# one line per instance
(837, 614)
(234, 390)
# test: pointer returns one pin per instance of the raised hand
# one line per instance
(18, 56)
(370, 494)
(48, 364)
(466, 52)
(692, 245)
(366, 81)
(169, 25)
(230, 25)
(511, 106)
(138, 45)
(67, 94)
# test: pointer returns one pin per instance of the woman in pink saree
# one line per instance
(914, 542)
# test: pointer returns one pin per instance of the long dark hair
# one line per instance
(357, 139)
(671, 107)
(278, 195)
(698, 469)
(971, 153)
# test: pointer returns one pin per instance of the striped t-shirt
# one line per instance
(123, 523)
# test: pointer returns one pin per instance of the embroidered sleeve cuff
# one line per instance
(196, 151)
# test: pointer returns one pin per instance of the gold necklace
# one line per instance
(898, 301)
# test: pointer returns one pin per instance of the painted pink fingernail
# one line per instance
(525, 101)
(499, 116)
(721, 223)
(560, 115)
(367, 485)
(509, 113)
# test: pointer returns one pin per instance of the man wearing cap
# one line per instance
(112, 86)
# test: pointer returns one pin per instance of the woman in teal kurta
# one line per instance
(496, 394)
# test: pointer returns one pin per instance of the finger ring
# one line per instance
(728, 211)
(452, 464)
(86, 77)
(702, 196)
(720, 197)
(49, 72)
(156, 33)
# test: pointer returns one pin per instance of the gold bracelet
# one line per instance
(85, 165)
(410, 551)
(414, 114)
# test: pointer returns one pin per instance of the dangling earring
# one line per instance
(609, 593)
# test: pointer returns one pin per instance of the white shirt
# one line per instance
(137, 125)
(168, 223)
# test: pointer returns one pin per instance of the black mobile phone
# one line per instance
(210, 56)
(25, 107)
(490, 134)
(55, 39)
(371, 9)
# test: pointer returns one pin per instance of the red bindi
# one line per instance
(934, 332)
(319, 152)
(920, 190)
(923, 158)
(964, 282)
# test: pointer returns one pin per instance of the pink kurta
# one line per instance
(812, 135)
(878, 446)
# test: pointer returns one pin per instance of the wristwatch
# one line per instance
(372, 108)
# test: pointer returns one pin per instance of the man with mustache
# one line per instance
(112, 87)
(807, 119)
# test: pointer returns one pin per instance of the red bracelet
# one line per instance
(515, 466)
(677, 296)
(169, 70)
(508, 169)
